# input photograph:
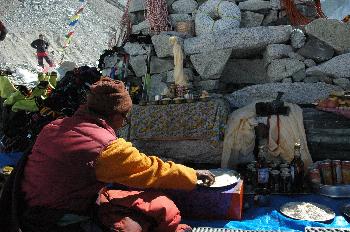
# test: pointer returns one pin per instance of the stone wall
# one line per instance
(254, 59)
(261, 50)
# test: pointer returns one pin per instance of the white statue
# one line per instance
(180, 77)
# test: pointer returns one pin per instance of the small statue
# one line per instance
(180, 77)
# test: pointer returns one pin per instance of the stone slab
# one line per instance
(331, 31)
(242, 38)
(282, 68)
(170, 75)
(174, 18)
(135, 49)
(158, 87)
(210, 63)
(255, 5)
(162, 46)
(245, 71)
(251, 19)
(317, 50)
(208, 85)
(337, 67)
(159, 65)
(184, 6)
(276, 51)
(298, 92)
(136, 5)
(138, 64)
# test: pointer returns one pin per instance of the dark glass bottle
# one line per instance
(262, 169)
(297, 169)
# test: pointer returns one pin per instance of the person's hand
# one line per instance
(206, 177)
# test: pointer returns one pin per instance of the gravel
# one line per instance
(27, 19)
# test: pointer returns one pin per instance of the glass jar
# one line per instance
(285, 170)
(315, 176)
(275, 181)
(254, 178)
(286, 184)
(326, 172)
(337, 172)
(249, 173)
(345, 165)
(284, 165)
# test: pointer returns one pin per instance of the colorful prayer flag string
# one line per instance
(73, 21)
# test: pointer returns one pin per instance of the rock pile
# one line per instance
(247, 42)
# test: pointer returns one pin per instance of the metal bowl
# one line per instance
(190, 100)
(204, 99)
(179, 100)
(165, 101)
(334, 191)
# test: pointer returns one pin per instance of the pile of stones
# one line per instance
(246, 43)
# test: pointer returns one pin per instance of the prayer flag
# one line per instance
(75, 17)
(73, 23)
(80, 10)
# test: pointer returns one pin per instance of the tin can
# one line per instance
(326, 172)
(337, 172)
(345, 165)
(315, 176)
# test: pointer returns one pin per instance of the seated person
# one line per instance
(75, 157)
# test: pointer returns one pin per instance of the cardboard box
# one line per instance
(211, 203)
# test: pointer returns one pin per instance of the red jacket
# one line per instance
(54, 176)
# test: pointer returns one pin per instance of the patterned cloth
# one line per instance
(187, 121)
(343, 112)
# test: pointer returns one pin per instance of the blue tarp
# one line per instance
(10, 159)
(255, 218)
(269, 218)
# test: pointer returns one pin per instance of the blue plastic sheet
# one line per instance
(269, 218)
(10, 159)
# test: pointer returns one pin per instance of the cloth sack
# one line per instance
(239, 141)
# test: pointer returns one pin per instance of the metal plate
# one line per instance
(322, 229)
(223, 178)
(345, 210)
(307, 211)
(335, 191)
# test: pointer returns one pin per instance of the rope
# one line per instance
(319, 9)
(124, 28)
(295, 17)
